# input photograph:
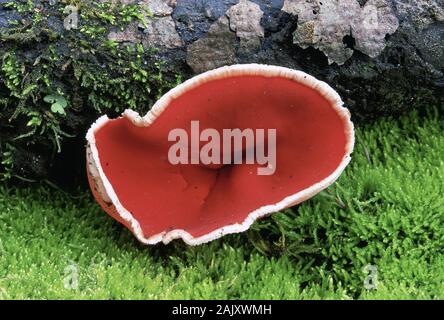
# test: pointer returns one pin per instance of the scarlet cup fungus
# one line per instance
(133, 180)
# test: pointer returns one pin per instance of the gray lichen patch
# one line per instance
(216, 49)
(130, 34)
(161, 32)
(220, 46)
(160, 28)
(375, 21)
(159, 8)
(324, 24)
(245, 19)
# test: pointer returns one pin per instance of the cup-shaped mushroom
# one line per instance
(219, 151)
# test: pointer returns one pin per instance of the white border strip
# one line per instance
(107, 191)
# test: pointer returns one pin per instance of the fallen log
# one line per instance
(65, 62)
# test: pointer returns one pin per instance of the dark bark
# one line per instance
(384, 57)
(405, 73)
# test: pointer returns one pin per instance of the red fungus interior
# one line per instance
(310, 145)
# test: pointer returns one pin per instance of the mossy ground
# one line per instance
(386, 210)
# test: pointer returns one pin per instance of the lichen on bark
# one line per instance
(323, 24)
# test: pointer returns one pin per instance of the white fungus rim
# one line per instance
(107, 192)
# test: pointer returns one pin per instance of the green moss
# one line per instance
(94, 75)
(386, 211)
